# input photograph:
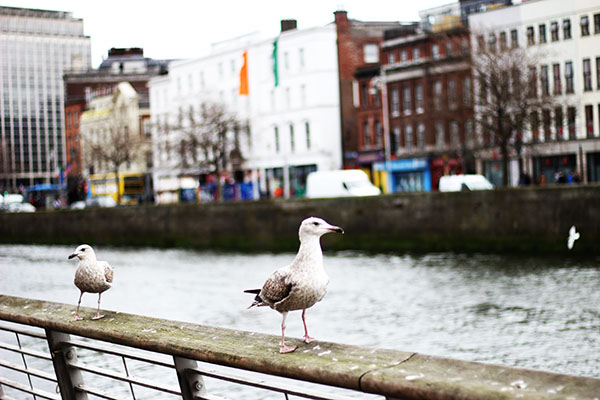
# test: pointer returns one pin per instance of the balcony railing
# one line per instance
(131, 356)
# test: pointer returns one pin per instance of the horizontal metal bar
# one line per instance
(262, 384)
(35, 392)
(29, 371)
(95, 392)
(119, 352)
(125, 378)
(23, 350)
(21, 331)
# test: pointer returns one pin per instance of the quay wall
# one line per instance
(535, 219)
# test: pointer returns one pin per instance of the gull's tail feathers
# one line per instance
(257, 300)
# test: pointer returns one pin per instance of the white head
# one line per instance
(84, 252)
(316, 227)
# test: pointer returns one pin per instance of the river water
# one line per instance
(533, 312)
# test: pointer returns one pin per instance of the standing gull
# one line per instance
(301, 284)
(91, 276)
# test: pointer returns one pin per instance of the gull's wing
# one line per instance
(277, 287)
(108, 271)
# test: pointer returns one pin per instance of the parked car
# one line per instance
(19, 207)
(77, 205)
(464, 183)
(100, 201)
(340, 183)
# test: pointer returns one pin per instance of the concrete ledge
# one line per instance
(392, 373)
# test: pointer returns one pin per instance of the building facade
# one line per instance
(36, 47)
(561, 143)
(289, 117)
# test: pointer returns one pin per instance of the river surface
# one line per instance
(532, 312)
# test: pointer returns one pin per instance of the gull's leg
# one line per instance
(98, 316)
(77, 317)
(284, 349)
(307, 338)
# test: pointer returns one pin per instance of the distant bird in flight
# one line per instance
(301, 284)
(91, 276)
(573, 236)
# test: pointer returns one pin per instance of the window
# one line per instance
(469, 137)
(554, 31)
(467, 97)
(292, 139)
(480, 43)
(364, 95)
(542, 33)
(288, 98)
(440, 134)
(464, 45)
(454, 136)
(371, 53)
(449, 48)
(547, 120)
(301, 57)
(416, 53)
(366, 134)
(532, 81)
(307, 130)
(544, 80)
(303, 95)
(535, 126)
(530, 36)
(558, 118)
(403, 56)
(435, 51)
(286, 61)
(437, 95)
(482, 89)
(569, 76)
(421, 135)
(514, 38)
(395, 102)
(277, 144)
(587, 74)
(556, 74)
(395, 139)
(406, 100)
(419, 98)
(566, 29)
(598, 72)
(452, 94)
(585, 26)
(492, 42)
(571, 112)
(378, 134)
(596, 23)
(589, 121)
(408, 136)
(391, 57)
(503, 42)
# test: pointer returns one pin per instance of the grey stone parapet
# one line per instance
(391, 373)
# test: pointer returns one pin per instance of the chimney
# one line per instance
(288, 25)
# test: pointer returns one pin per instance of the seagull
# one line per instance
(91, 276)
(573, 236)
(301, 284)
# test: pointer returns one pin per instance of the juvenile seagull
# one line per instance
(301, 284)
(91, 276)
(573, 236)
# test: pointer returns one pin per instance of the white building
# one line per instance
(293, 127)
(565, 36)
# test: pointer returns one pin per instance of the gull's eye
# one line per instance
(82, 249)
(315, 223)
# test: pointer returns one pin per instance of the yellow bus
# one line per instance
(132, 187)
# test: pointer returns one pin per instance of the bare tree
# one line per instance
(209, 140)
(508, 99)
(116, 145)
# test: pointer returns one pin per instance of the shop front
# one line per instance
(406, 175)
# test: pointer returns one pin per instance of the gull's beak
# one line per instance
(336, 229)
(73, 255)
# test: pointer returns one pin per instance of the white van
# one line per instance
(465, 183)
(340, 183)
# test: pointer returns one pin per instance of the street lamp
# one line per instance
(379, 82)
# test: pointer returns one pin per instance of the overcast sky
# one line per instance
(185, 29)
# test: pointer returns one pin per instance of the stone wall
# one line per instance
(530, 219)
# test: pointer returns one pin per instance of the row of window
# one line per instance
(447, 48)
(277, 139)
(551, 123)
(584, 24)
(414, 135)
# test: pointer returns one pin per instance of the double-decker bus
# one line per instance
(133, 187)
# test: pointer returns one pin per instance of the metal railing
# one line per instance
(45, 355)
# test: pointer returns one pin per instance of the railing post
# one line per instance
(190, 381)
(62, 356)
